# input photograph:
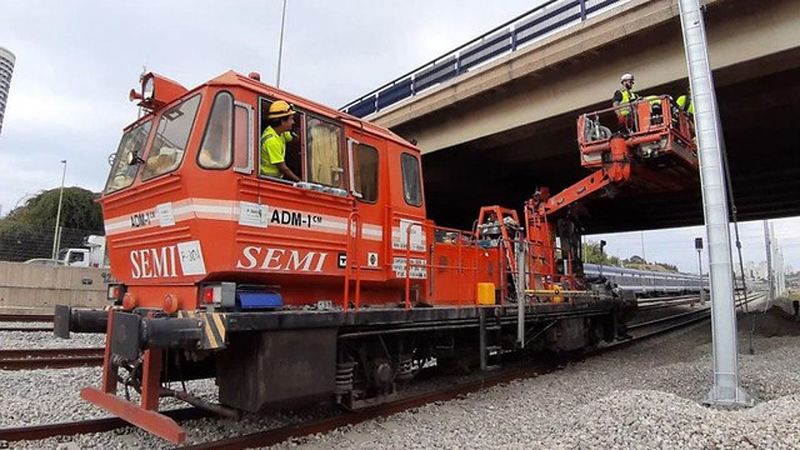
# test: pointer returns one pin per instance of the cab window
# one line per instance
(215, 151)
(132, 143)
(324, 153)
(169, 142)
(365, 172)
(243, 138)
(292, 157)
(412, 188)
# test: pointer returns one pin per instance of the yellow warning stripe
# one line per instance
(220, 325)
(213, 327)
(212, 340)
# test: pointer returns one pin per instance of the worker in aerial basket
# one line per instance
(622, 97)
(280, 120)
(685, 102)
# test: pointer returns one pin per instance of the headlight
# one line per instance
(148, 88)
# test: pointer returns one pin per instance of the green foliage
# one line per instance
(592, 255)
(78, 210)
(27, 231)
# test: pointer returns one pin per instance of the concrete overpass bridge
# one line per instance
(493, 132)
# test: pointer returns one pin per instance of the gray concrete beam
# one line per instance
(521, 88)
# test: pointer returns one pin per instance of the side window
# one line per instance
(242, 139)
(412, 189)
(365, 172)
(215, 151)
(324, 156)
(292, 157)
(169, 143)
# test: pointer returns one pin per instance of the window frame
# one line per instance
(208, 124)
(351, 155)
(342, 148)
(118, 159)
(248, 170)
(419, 179)
(188, 139)
(262, 119)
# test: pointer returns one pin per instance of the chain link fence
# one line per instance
(21, 242)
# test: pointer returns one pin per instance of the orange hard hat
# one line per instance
(280, 109)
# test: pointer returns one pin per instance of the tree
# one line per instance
(27, 231)
(592, 255)
(635, 259)
(78, 210)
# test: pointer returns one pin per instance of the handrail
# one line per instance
(462, 240)
(501, 40)
(407, 302)
(351, 254)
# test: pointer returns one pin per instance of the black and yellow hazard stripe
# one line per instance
(213, 327)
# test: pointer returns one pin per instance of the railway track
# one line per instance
(642, 331)
(28, 433)
(27, 318)
(56, 358)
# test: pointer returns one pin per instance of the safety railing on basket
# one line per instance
(549, 17)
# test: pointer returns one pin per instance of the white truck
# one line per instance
(94, 255)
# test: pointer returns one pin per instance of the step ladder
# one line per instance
(490, 339)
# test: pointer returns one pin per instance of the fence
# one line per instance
(21, 242)
(545, 19)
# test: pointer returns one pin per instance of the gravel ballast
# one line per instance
(11, 340)
(646, 396)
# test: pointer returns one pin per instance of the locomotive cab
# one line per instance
(187, 207)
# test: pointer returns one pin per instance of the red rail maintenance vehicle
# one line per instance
(336, 287)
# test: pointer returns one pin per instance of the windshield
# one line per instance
(122, 174)
(171, 137)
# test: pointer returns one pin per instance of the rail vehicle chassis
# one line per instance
(275, 358)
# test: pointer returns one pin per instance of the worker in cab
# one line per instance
(280, 120)
(685, 103)
(625, 96)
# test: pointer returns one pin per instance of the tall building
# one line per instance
(6, 69)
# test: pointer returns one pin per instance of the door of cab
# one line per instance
(367, 171)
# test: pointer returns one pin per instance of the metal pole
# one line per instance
(698, 245)
(641, 238)
(725, 390)
(58, 214)
(280, 45)
(770, 279)
(700, 271)
(775, 260)
(699, 263)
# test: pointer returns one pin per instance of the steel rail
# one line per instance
(701, 313)
(26, 317)
(53, 358)
(27, 329)
(33, 432)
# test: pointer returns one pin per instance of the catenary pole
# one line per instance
(725, 390)
(56, 234)
(280, 45)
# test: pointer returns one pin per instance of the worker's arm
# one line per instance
(287, 172)
(617, 98)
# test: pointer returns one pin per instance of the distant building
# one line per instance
(7, 60)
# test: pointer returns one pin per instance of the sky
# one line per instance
(77, 60)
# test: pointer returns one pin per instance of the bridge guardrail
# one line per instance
(549, 17)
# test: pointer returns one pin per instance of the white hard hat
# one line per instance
(625, 77)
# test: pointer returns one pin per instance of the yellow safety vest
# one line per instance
(627, 97)
(273, 151)
(685, 100)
